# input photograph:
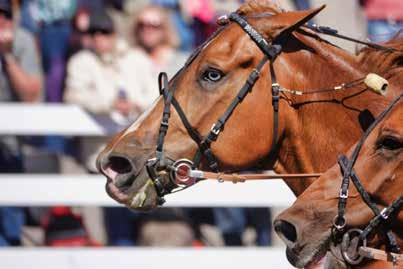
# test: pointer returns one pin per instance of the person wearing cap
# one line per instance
(111, 80)
(20, 81)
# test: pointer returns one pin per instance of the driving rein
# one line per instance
(183, 173)
(353, 242)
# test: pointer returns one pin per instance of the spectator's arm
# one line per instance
(27, 86)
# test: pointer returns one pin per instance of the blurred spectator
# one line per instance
(112, 81)
(80, 38)
(64, 228)
(51, 20)
(385, 18)
(155, 34)
(233, 222)
(182, 23)
(20, 81)
(302, 4)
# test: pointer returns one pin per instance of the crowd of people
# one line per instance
(105, 56)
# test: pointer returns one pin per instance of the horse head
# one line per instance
(204, 89)
(307, 227)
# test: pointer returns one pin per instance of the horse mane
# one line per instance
(382, 61)
(259, 6)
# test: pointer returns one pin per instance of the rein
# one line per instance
(381, 219)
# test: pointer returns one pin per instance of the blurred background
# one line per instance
(73, 73)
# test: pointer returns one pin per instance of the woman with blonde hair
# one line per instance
(155, 34)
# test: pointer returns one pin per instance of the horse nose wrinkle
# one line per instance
(286, 230)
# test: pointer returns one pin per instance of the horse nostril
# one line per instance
(286, 229)
(120, 165)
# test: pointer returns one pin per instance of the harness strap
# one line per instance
(377, 254)
(271, 50)
(166, 114)
(340, 221)
(333, 32)
(189, 128)
(236, 178)
(382, 217)
(219, 125)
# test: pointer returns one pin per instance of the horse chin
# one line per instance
(309, 256)
(141, 195)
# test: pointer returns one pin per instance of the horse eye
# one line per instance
(212, 75)
(390, 143)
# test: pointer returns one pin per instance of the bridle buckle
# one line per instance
(214, 130)
(384, 214)
(342, 194)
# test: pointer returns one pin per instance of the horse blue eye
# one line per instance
(212, 75)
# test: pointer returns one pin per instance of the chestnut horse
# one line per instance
(306, 227)
(313, 128)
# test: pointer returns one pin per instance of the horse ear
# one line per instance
(285, 23)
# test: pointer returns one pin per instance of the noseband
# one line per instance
(353, 242)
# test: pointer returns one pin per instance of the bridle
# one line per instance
(183, 173)
(179, 169)
(353, 242)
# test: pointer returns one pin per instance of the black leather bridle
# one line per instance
(177, 171)
(382, 217)
(181, 167)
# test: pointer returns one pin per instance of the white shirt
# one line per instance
(94, 82)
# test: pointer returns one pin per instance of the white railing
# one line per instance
(144, 258)
(75, 190)
(83, 190)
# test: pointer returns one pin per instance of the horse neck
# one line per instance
(316, 131)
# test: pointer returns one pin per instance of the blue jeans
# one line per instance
(120, 223)
(12, 220)
(233, 221)
(382, 30)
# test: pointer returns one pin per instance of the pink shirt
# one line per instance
(384, 9)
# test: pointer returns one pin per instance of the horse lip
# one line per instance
(116, 193)
(317, 255)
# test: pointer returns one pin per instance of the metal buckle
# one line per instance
(164, 123)
(343, 195)
(383, 213)
(339, 223)
(214, 130)
(350, 247)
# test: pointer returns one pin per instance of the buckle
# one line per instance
(384, 214)
(339, 222)
(215, 131)
(164, 123)
(343, 195)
